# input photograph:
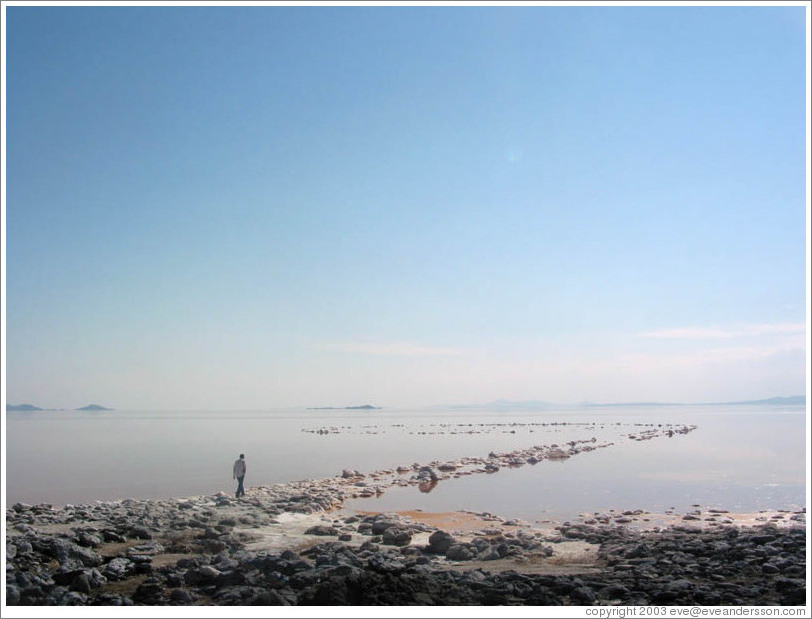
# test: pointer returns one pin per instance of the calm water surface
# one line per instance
(740, 458)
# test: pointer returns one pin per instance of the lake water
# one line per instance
(739, 458)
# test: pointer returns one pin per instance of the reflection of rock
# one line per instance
(557, 454)
(427, 486)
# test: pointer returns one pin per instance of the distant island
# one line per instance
(364, 407)
(23, 407)
(30, 408)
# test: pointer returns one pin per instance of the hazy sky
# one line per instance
(246, 207)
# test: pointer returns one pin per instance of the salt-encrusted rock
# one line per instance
(427, 472)
(118, 568)
(66, 551)
(148, 549)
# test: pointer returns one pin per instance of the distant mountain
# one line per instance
(524, 404)
(93, 407)
(504, 405)
(593, 405)
(23, 407)
(792, 400)
(363, 407)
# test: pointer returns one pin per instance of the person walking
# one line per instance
(239, 474)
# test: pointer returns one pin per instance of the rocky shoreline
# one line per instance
(294, 544)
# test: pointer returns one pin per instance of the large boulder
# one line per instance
(68, 552)
(382, 524)
(440, 542)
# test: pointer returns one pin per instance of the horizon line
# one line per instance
(498, 403)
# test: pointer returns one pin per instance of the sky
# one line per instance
(243, 207)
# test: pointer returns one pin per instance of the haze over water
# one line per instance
(741, 458)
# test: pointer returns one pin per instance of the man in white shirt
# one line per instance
(239, 474)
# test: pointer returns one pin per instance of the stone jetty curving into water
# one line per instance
(293, 544)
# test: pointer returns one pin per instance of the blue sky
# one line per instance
(247, 207)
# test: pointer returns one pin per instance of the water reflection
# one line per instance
(743, 457)
(427, 486)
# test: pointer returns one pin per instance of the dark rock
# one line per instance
(396, 536)
(112, 536)
(181, 596)
(380, 525)
(440, 542)
(139, 532)
(149, 592)
(583, 596)
(614, 592)
(273, 598)
(63, 597)
(459, 552)
(203, 575)
(321, 529)
(383, 563)
(91, 540)
(81, 583)
(65, 551)
(65, 577)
